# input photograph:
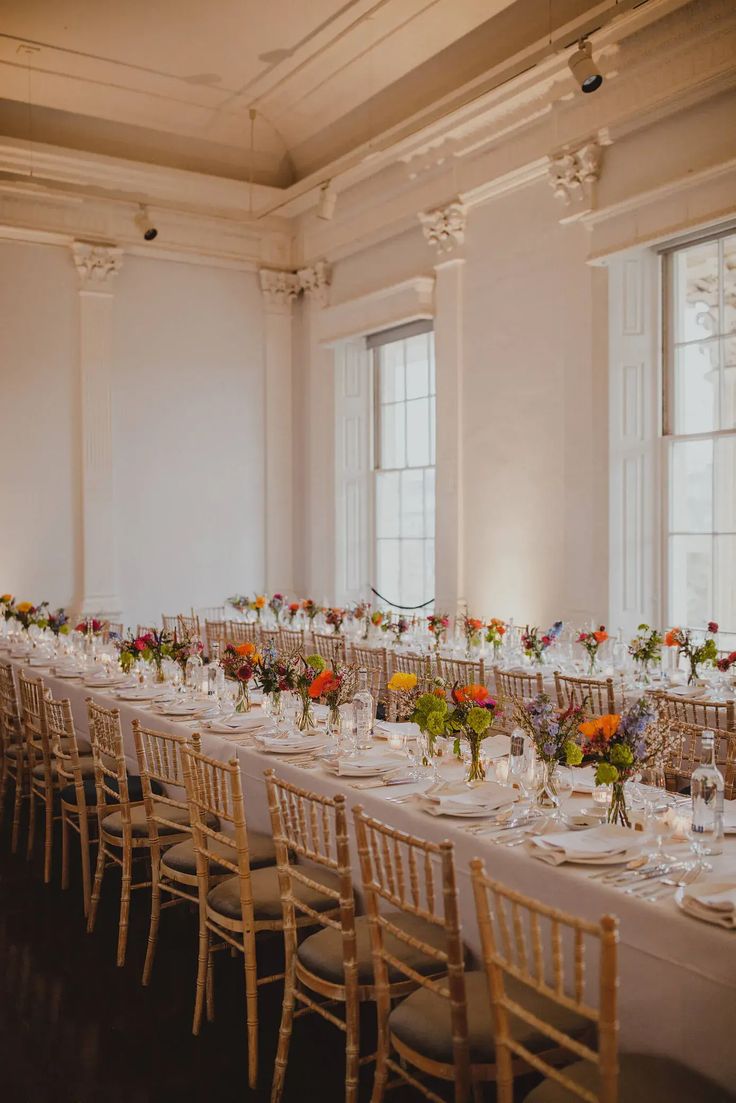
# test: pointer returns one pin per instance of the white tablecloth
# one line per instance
(677, 975)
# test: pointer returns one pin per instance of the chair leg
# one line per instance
(64, 850)
(203, 961)
(352, 1044)
(19, 785)
(84, 851)
(251, 1008)
(287, 1019)
(31, 819)
(380, 1075)
(95, 898)
(155, 916)
(125, 901)
(3, 784)
(210, 990)
(48, 841)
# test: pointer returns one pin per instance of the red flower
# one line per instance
(712, 627)
(140, 644)
(727, 662)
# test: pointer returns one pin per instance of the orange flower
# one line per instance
(247, 650)
(603, 727)
(601, 636)
(672, 638)
(472, 692)
(498, 626)
(260, 601)
(475, 624)
(6, 599)
(323, 683)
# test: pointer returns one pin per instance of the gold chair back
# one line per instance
(517, 685)
(704, 714)
(595, 696)
(331, 646)
(462, 671)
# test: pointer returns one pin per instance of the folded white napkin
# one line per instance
(387, 727)
(239, 723)
(457, 797)
(368, 762)
(584, 846)
(40, 660)
(271, 741)
(713, 901)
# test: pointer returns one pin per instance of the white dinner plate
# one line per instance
(310, 743)
(471, 813)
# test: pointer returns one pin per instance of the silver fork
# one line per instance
(667, 884)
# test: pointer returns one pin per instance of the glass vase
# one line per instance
(159, 676)
(242, 703)
(617, 810)
(476, 769)
(547, 796)
(693, 675)
(334, 723)
(305, 721)
(276, 706)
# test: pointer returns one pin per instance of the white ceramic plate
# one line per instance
(478, 813)
(311, 744)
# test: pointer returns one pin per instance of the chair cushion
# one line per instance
(182, 859)
(135, 791)
(642, 1079)
(225, 897)
(139, 823)
(321, 953)
(86, 764)
(422, 1021)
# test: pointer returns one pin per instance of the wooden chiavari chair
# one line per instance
(421, 665)
(704, 714)
(112, 630)
(331, 646)
(375, 661)
(249, 901)
(596, 696)
(122, 830)
(461, 671)
(516, 685)
(291, 640)
(269, 637)
(333, 966)
(241, 631)
(14, 755)
(215, 631)
(145, 630)
(40, 781)
(170, 624)
(188, 628)
(74, 772)
(174, 864)
(687, 753)
(535, 1000)
(210, 612)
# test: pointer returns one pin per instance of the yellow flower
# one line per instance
(260, 601)
(401, 682)
(24, 607)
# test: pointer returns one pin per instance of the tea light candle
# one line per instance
(602, 794)
(396, 739)
(680, 822)
(502, 770)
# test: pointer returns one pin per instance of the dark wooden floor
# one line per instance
(76, 1029)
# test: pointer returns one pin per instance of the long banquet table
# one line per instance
(677, 974)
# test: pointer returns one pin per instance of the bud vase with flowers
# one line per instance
(335, 617)
(335, 688)
(438, 623)
(472, 628)
(534, 645)
(696, 653)
(308, 669)
(646, 651)
(592, 642)
(239, 663)
(470, 719)
(554, 735)
(274, 676)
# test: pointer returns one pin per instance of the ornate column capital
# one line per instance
(97, 265)
(315, 281)
(279, 287)
(573, 173)
(444, 227)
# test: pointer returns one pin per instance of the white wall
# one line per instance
(188, 431)
(188, 435)
(40, 508)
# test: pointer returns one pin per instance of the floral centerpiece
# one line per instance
(472, 627)
(725, 664)
(397, 627)
(438, 623)
(592, 642)
(7, 606)
(406, 689)
(554, 734)
(239, 663)
(361, 613)
(276, 604)
(377, 618)
(622, 745)
(58, 622)
(646, 649)
(257, 604)
(275, 675)
(308, 669)
(152, 647)
(90, 626)
(495, 632)
(336, 688)
(311, 608)
(695, 653)
(534, 645)
(28, 613)
(335, 617)
(292, 610)
(470, 718)
(239, 602)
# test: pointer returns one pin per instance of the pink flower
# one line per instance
(712, 627)
(139, 644)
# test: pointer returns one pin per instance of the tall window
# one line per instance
(404, 458)
(700, 432)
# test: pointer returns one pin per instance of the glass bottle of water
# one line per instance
(193, 669)
(706, 787)
(364, 711)
(517, 762)
(215, 673)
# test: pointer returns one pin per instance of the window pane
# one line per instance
(393, 452)
(428, 570)
(696, 292)
(417, 368)
(412, 503)
(724, 602)
(391, 378)
(728, 393)
(417, 432)
(429, 502)
(691, 594)
(412, 572)
(724, 486)
(387, 504)
(432, 380)
(729, 284)
(691, 497)
(696, 388)
(388, 568)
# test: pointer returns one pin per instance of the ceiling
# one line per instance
(172, 82)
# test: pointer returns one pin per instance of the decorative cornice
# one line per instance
(573, 174)
(97, 265)
(279, 287)
(444, 227)
(315, 281)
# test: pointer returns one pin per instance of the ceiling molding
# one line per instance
(378, 310)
